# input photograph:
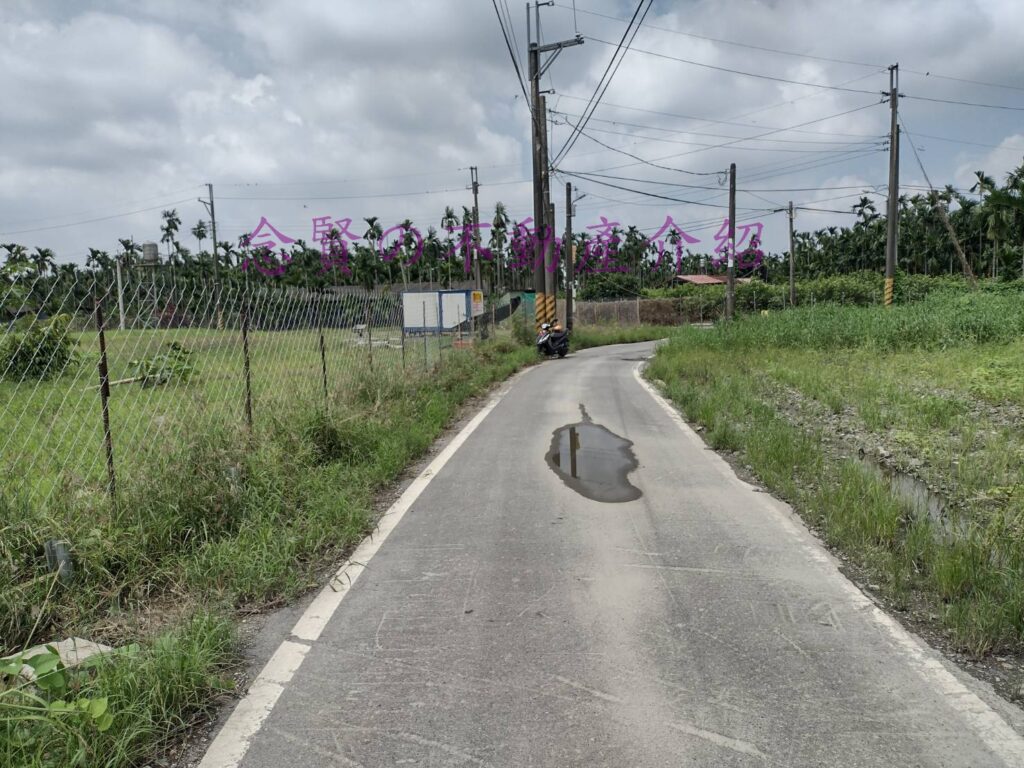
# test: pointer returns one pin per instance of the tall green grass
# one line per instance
(939, 321)
(906, 374)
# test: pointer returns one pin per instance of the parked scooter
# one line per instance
(553, 340)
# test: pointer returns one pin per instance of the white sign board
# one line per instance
(420, 311)
(454, 309)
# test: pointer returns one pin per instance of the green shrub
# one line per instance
(37, 349)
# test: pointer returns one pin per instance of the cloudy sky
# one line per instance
(116, 109)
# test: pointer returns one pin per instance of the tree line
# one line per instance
(988, 224)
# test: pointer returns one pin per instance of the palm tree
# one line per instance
(17, 255)
(498, 240)
(169, 231)
(199, 233)
(44, 261)
(449, 221)
(865, 210)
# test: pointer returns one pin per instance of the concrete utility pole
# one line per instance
(216, 261)
(208, 204)
(730, 288)
(543, 224)
(550, 268)
(792, 260)
(570, 256)
(893, 209)
(475, 180)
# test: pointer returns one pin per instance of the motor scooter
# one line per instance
(553, 340)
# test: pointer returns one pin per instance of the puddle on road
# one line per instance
(593, 461)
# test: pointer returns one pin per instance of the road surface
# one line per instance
(510, 620)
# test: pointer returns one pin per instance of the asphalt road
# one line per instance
(510, 620)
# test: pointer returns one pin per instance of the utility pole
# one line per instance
(208, 204)
(542, 222)
(476, 226)
(570, 256)
(543, 230)
(730, 288)
(893, 210)
(551, 257)
(792, 260)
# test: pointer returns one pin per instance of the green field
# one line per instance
(866, 418)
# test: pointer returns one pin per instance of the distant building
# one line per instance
(708, 279)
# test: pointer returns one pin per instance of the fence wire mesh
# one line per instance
(99, 379)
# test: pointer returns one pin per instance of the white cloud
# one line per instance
(120, 104)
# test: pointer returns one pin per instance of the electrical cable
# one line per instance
(605, 81)
(508, 44)
(740, 72)
(652, 194)
(383, 194)
(751, 138)
(782, 52)
(650, 127)
(92, 221)
(961, 103)
(705, 144)
(695, 186)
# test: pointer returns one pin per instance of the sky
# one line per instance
(114, 110)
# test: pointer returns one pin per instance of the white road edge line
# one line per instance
(232, 741)
(996, 733)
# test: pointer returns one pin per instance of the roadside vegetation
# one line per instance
(218, 524)
(895, 433)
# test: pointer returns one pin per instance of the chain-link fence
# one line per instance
(100, 378)
(643, 311)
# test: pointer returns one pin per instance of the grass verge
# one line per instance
(221, 522)
(894, 433)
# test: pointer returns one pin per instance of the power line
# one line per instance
(697, 186)
(751, 138)
(92, 221)
(648, 162)
(972, 143)
(605, 80)
(705, 144)
(810, 166)
(711, 120)
(512, 30)
(652, 194)
(964, 80)
(962, 103)
(508, 44)
(91, 211)
(383, 194)
(733, 42)
(678, 131)
(737, 71)
(782, 52)
(920, 165)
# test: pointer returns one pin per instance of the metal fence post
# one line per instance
(426, 361)
(105, 400)
(323, 358)
(369, 330)
(245, 355)
(401, 318)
